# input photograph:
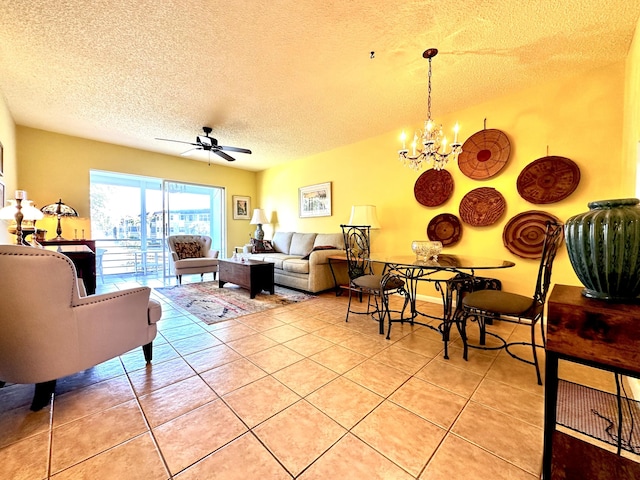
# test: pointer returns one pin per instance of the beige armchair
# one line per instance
(192, 254)
(49, 329)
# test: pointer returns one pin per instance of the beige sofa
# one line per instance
(301, 260)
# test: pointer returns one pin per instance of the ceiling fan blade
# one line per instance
(228, 158)
(234, 149)
(177, 141)
(190, 151)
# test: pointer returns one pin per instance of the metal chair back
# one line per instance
(357, 247)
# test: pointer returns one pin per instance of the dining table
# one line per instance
(451, 274)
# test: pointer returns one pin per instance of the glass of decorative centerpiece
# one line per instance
(426, 249)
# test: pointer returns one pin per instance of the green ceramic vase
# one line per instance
(604, 248)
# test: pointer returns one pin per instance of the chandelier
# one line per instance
(434, 144)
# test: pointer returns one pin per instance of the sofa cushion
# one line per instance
(188, 250)
(301, 243)
(335, 239)
(261, 246)
(282, 241)
(195, 262)
(296, 265)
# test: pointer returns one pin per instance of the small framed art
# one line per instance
(241, 207)
(1, 195)
(315, 200)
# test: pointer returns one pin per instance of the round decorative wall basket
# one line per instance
(433, 187)
(444, 228)
(548, 180)
(484, 154)
(524, 234)
(482, 207)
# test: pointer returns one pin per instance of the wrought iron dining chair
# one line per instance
(483, 305)
(363, 280)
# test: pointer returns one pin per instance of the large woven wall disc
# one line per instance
(548, 180)
(523, 235)
(433, 187)
(482, 206)
(484, 154)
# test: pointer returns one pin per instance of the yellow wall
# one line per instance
(631, 129)
(10, 175)
(53, 166)
(579, 118)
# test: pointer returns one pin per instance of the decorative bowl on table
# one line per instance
(426, 250)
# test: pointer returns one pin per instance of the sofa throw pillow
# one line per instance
(261, 246)
(318, 247)
(188, 250)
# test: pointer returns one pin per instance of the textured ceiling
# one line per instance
(285, 78)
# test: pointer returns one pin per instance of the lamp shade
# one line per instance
(364, 215)
(59, 209)
(29, 212)
(259, 218)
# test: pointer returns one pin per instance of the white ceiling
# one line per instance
(285, 78)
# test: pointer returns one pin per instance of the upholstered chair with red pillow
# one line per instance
(192, 254)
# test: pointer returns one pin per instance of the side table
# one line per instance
(598, 334)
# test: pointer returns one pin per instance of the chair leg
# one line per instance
(148, 353)
(201, 277)
(535, 354)
(179, 277)
(348, 306)
(42, 395)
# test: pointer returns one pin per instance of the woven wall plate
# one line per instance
(548, 180)
(484, 154)
(445, 228)
(433, 187)
(523, 235)
(482, 206)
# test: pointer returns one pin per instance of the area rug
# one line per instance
(595, 413)
(212, 304)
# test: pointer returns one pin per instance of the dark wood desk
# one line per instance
(599, 334)
(254, 275)
(84, 260)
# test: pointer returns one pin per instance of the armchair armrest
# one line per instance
(212, 254)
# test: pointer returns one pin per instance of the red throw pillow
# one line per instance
(261, 246)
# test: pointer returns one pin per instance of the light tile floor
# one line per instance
(293, 392)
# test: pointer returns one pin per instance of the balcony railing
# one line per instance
(128, 256)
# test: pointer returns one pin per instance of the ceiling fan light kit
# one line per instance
(209, 144)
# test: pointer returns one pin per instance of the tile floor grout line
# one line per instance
(50, 448)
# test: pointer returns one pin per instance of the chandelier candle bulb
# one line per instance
(403, 137)
(456, 128)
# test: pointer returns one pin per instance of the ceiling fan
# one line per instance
(209, 144)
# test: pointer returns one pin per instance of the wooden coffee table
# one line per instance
(254, 275)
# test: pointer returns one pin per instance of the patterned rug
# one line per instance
(212, 304)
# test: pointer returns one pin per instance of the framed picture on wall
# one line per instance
(315, 200)
(1, 195)
(1, 166)
(241, 207)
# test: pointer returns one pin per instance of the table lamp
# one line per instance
(364, 215)
(59, 209)
(259, 219)
(21, 210)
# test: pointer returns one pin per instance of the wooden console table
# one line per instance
(84, 260)
(254, 275)
(599, 334)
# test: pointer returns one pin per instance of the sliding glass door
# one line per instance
(195, 210)
(131, 216)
